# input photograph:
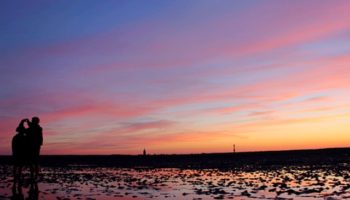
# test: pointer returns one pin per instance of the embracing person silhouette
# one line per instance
(26, 146)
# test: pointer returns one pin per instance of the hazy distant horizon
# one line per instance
(189, 153)
(115, 77)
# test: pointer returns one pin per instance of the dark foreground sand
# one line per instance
(76, 182)
(307, 174)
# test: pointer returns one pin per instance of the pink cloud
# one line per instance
(106, 77)
(200, 48)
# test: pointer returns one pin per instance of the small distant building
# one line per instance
(234, 148)
(144, 152)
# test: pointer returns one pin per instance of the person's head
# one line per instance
(35, 120)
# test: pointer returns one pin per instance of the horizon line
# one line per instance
(164, 154)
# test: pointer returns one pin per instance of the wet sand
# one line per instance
(82, 182)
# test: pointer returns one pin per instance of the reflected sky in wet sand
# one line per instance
(114, 183)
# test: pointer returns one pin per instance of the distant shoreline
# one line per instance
(207, 153)
(239, 160)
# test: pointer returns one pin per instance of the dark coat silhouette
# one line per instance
(20, 146)
(35, 134)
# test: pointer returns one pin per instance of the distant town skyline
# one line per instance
(117, 77)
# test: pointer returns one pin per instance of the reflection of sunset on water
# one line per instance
(113, 183)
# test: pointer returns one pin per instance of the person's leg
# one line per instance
(20, 177)
(20, 192)
(32, 171)
(37, 169)
(35, 172)
(36, 162)
(15, 177)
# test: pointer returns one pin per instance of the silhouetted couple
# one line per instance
(26, 149)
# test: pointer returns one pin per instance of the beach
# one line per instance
(87, 181)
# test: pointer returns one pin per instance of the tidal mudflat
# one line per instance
(299, 182)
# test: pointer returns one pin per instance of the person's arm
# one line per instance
(29, 123)
(41, 136)
(13, 146)
(21, 127)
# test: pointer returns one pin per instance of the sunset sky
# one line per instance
(176, 76)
